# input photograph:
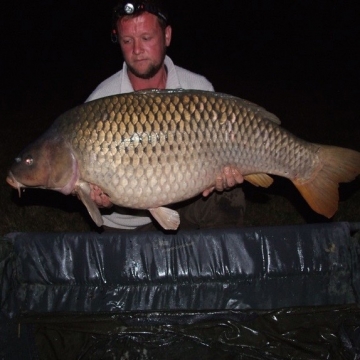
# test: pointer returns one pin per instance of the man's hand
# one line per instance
(99, 197)
(228, 178)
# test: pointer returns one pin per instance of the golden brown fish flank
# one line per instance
(181, 142)
(151, 148)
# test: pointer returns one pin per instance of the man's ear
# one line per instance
(168, 33)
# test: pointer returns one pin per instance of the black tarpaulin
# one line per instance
(291, 333)
(241, 285)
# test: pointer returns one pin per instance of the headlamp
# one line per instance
(129, 8)
(133, 7)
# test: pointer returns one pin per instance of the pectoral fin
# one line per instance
(262, 180)
(83, 190)
(169, 219)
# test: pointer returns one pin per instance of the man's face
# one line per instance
(143, 43)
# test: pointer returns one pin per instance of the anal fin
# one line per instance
(263, 180)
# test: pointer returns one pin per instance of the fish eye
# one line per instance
(29, 160)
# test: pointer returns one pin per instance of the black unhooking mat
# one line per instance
(253, 293)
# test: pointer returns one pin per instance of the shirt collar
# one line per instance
(172, 81)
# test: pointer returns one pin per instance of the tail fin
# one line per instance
(321, 192)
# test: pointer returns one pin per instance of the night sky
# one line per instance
(54, 53)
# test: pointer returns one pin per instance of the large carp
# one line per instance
(152, 148)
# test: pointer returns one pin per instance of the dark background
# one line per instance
(264, 51)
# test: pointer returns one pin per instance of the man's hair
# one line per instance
(137, 7)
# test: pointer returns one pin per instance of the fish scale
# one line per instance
(151, 148)
(197, 137)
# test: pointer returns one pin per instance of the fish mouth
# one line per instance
(10, 179)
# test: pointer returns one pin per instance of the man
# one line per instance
(143, 32)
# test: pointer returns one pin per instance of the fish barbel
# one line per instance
(151, 148)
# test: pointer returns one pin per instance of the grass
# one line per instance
(281, 204)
